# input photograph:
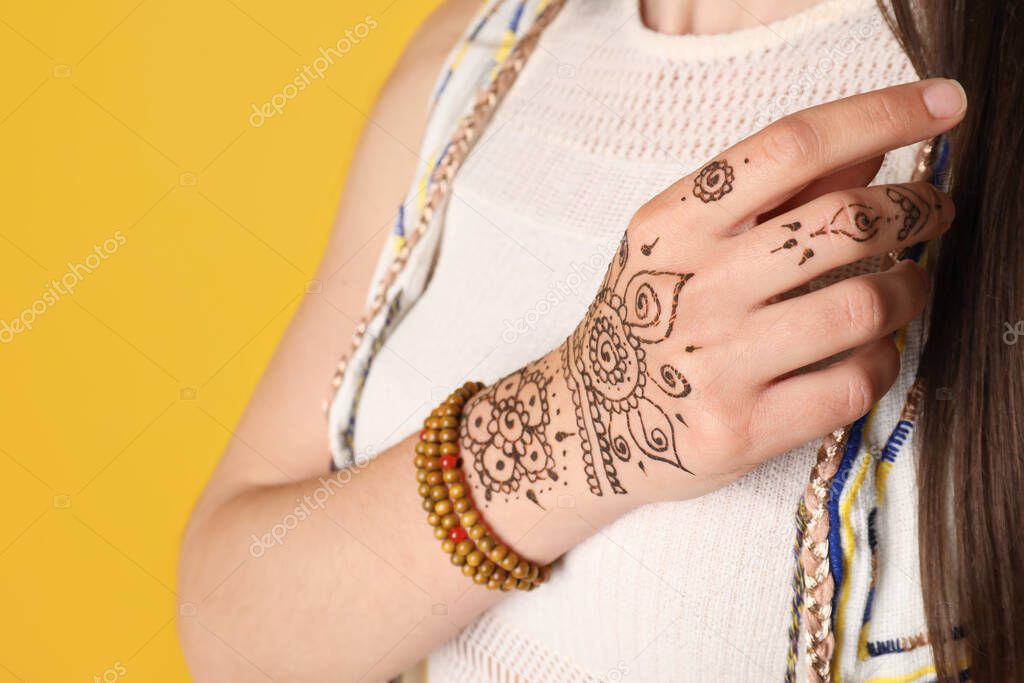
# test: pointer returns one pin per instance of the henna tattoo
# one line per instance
(647, 248)
(864, 225)
(714, 181)
(912, 214)
(605, 366)
(788, 244)
(505, 433)
(915, 210)
(863, 219)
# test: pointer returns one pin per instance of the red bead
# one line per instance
(449, 462)
(457, 534)
(423, 434)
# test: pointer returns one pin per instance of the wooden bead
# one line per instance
(441, 483)
(510, 561)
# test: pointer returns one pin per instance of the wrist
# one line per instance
(523, 459)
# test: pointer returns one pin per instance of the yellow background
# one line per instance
(134, 117)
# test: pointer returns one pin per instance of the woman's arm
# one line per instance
(303, 608)
(338, 577)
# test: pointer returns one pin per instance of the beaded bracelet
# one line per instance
(457, 523)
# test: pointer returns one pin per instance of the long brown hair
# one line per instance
(971, 428)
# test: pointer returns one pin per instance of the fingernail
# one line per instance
(945, 99)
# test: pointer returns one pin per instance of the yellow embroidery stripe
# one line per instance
(928, 670)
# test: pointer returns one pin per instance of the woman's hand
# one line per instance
(683, 374)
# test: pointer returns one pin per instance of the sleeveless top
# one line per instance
(604, 115)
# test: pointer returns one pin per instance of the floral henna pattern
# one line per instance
(505, 434)
(714, 181)
(606, 368)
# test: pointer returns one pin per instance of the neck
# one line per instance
(714, 16)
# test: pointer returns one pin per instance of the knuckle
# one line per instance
(645, 218)
(864, 306)
(840, 216)
(792, 140)
(861, 391)
(889, 111)
(732, 442)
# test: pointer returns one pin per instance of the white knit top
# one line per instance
(606, 114)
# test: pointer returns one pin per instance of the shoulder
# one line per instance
(416, 71)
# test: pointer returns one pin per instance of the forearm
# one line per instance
(342, 572)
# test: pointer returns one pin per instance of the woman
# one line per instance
(655, 406)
